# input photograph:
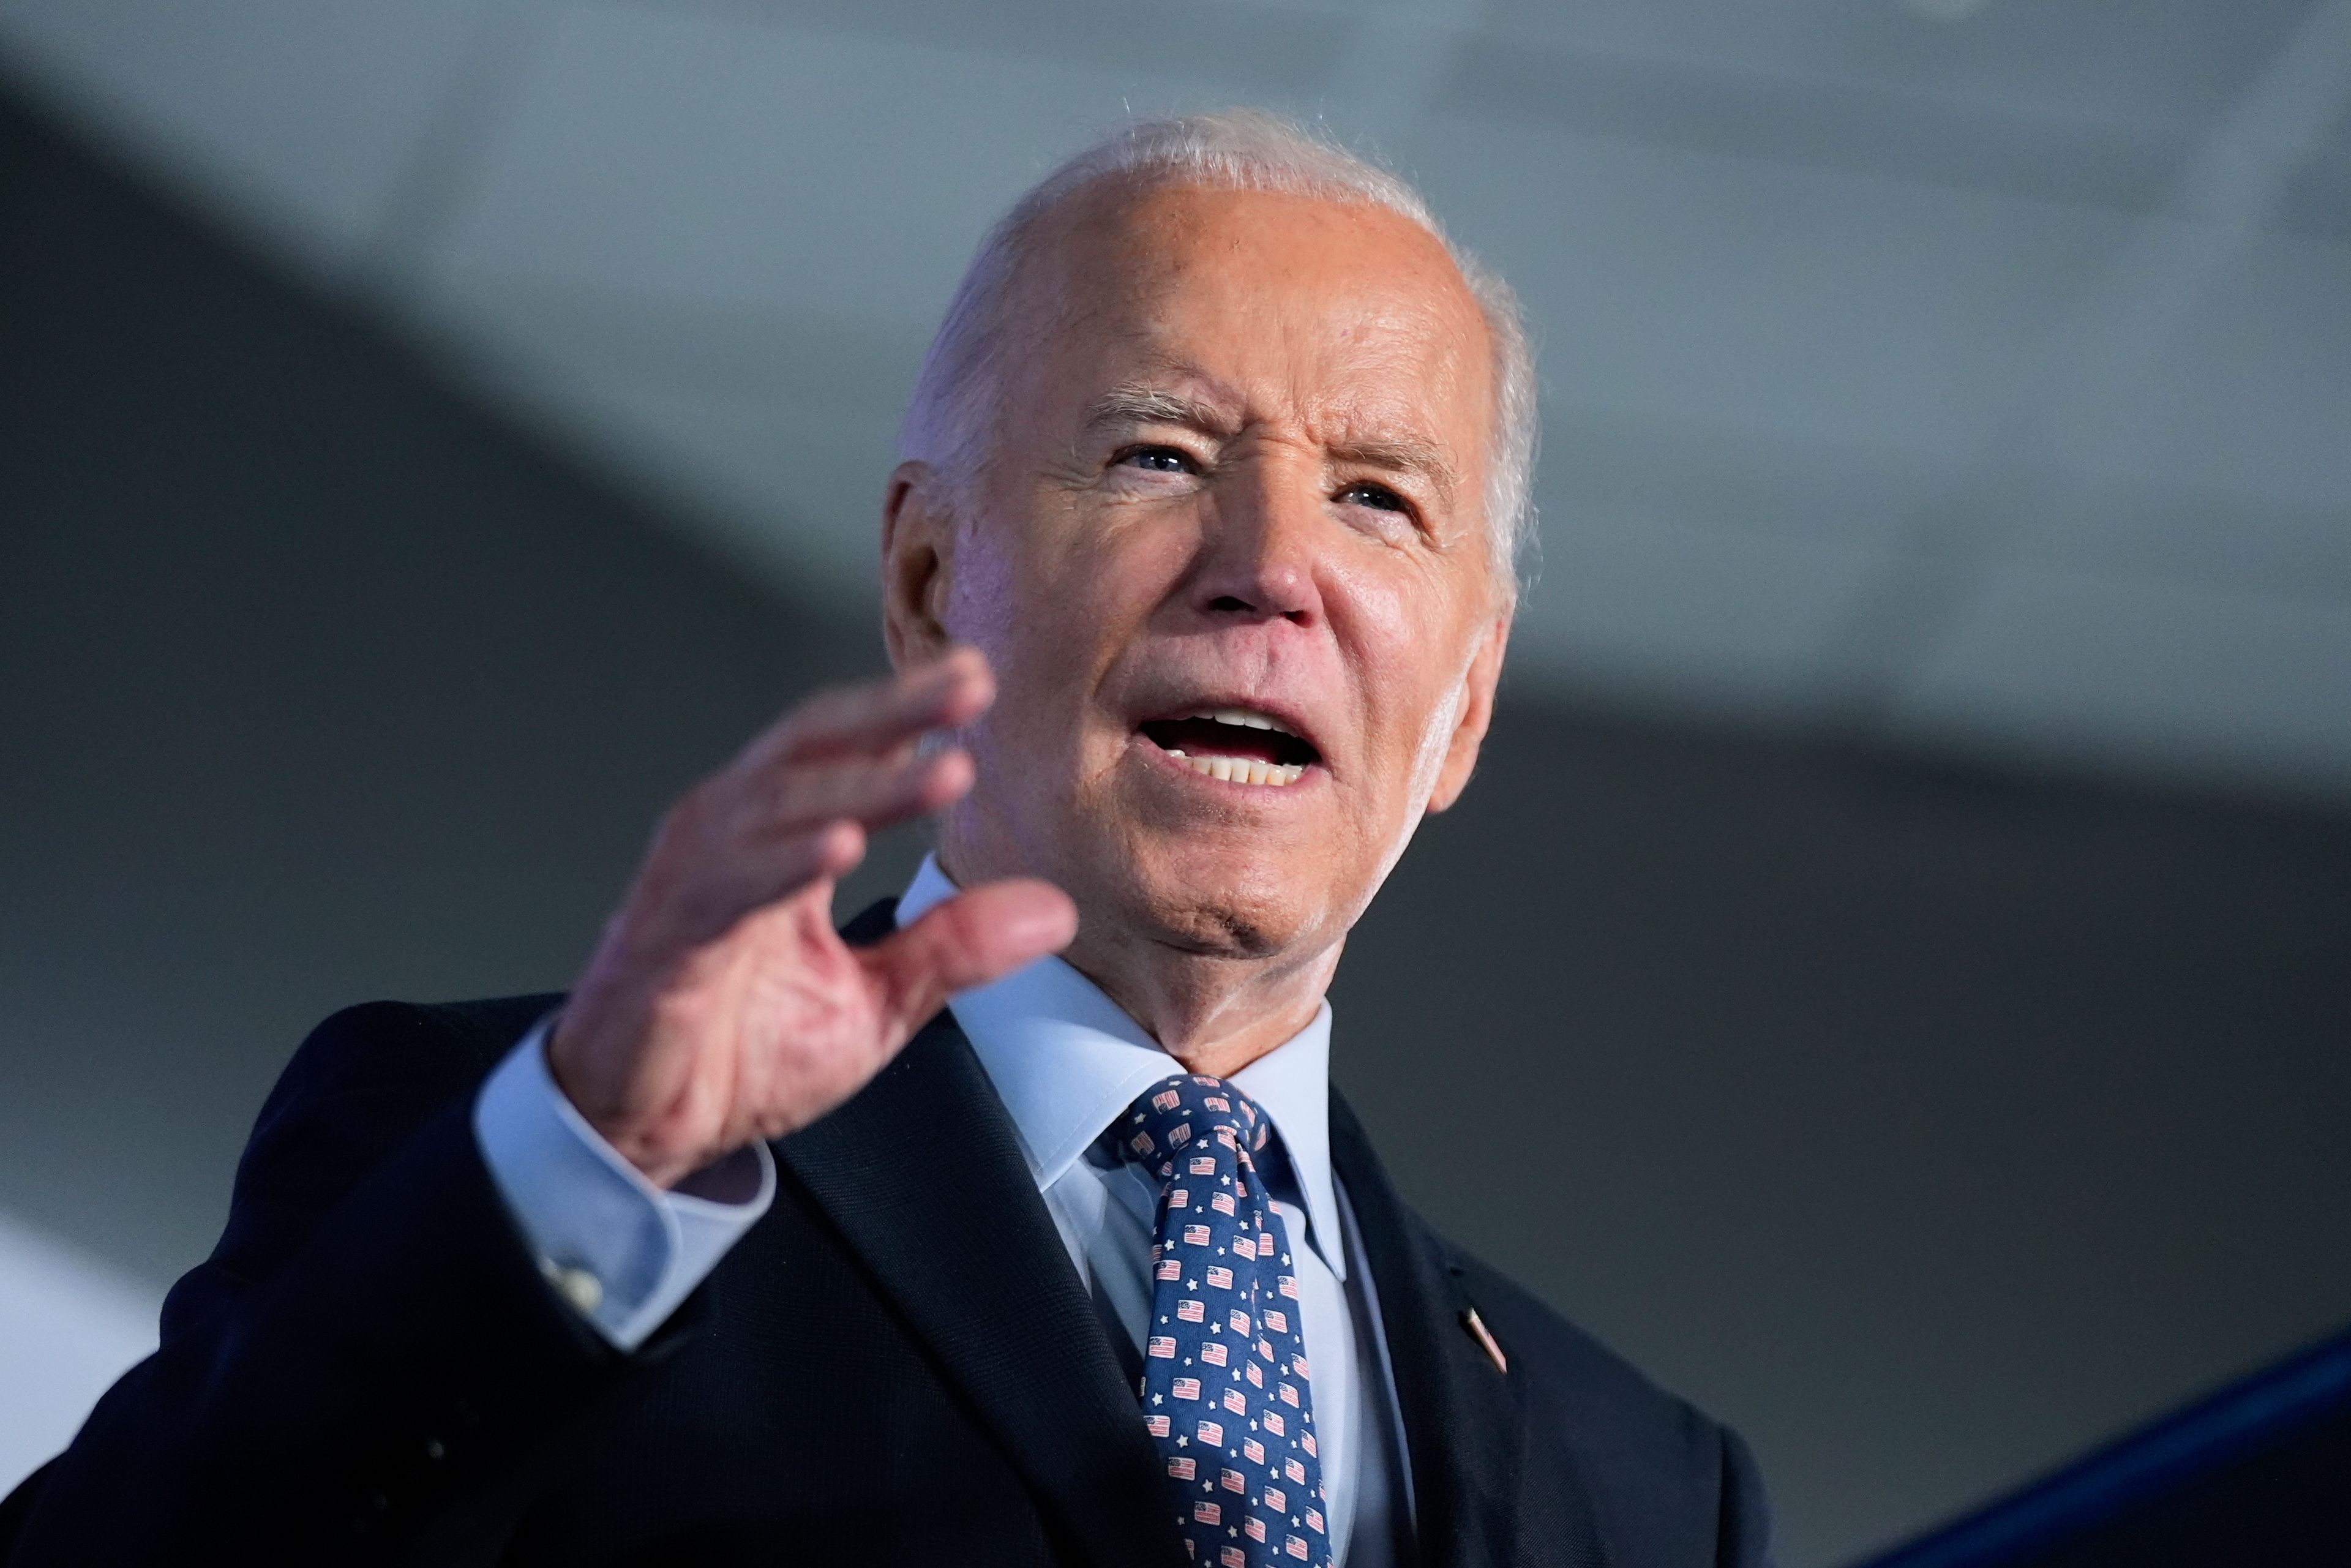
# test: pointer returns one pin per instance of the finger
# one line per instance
(875, 795)
(754, 877)
(971, 939)
(881, 715)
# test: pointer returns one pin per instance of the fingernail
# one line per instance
(1041, 925)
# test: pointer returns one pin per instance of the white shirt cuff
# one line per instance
(620, 1250)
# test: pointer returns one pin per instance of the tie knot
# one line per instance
(1191, 1116)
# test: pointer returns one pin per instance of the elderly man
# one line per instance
(911, 1242)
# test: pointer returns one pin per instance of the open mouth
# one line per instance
(1235, 746)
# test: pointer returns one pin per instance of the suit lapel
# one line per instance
(922, 1174)
(1465, 1420)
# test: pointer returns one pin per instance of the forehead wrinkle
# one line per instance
(1396, 368)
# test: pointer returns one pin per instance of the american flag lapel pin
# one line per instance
(1476, 1327)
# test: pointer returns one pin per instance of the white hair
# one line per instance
(948, 419)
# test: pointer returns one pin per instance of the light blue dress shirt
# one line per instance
(1067, 1062)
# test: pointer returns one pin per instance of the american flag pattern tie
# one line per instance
(1224, 1386)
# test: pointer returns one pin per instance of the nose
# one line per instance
(1259, 548)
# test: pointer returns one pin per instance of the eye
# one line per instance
(1156, 460)
(1365, 493)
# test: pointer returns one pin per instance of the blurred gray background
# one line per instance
(1891, 975)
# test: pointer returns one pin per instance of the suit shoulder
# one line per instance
(357, 1088)
(391, 1049)
(368, 1073)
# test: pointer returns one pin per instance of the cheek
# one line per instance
(990, 606)
(1055, 609)
(1096, 577)
(1385, 618)
(983, 598)
(1024, 599)
(1403, 639)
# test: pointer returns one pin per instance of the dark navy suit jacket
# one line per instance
(889, 1368)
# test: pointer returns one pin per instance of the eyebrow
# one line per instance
(1142, 404)
(1156, 405)
(1401, 455)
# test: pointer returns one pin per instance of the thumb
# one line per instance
(975, 937)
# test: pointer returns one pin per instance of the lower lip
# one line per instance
(1159, 757)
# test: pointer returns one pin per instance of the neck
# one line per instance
(1213, 1013)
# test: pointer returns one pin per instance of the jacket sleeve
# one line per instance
(369, 1341)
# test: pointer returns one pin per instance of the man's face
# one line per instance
(1230, 563)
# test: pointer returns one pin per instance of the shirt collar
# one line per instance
(1066, 1060)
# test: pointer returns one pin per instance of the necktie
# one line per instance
(1224, 1384)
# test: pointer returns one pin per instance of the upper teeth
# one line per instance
(1242, 717)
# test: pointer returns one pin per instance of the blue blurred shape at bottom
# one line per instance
(2257, 1475)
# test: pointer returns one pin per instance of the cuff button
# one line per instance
(576, 1286)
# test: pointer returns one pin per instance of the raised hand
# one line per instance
(720, 1008)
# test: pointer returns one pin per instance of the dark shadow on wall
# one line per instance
(320, 685)
(1927, 1122)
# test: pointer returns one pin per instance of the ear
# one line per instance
(917, 557)
(1477, 713)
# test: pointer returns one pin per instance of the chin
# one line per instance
(1233, 901)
